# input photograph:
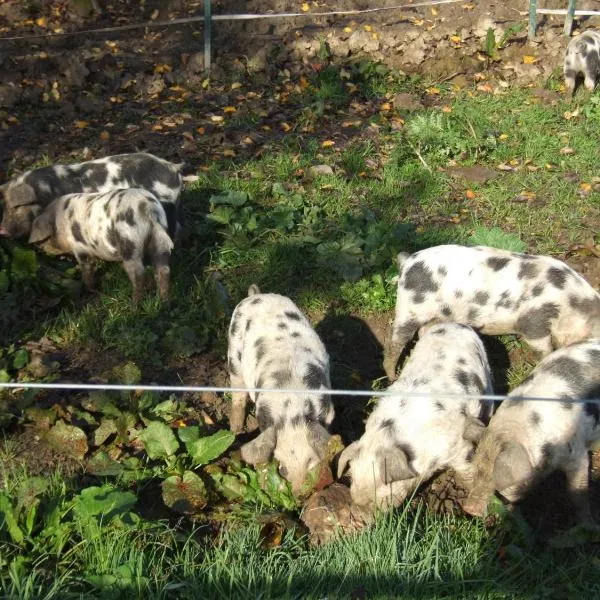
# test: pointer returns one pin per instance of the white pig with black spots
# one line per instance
(495, 291)
(408, 438)
(273, 345)
(528, 439)
(583, 58)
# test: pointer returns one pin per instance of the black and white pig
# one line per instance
(26, 196)
(272, 345)
(122, 225)
(528, 439)
(409, 438)
(583, 58)
(495, 291)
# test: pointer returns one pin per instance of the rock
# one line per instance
(74, 70)
(9, 95)
(195, 63)
(330, 512)
(258, 61)
(406, 101)
(154, 85)
(319, 170)
(415, 52)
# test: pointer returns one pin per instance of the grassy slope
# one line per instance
(302, 236)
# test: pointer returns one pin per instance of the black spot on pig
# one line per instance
(567, 404)
(592, 410)
(535, 323)
(264, 416)
(446, 310)
(106, 207)
(67, 202)
(112, 236)
(248, 324)
(324, 407)
(442, 271)
(497, 263)
(566, 368)
(281, 377)
(127, 216)
(76, 231)
(71, 214)
(234, 327)
(439, 331)
(295, 334)
(586, 306)
(256, 301)
(231, 367)
(557, 277)
(458, 293)
(287, 403)
(406, 329)
(462, 361)
(481, 298)
(419, 278)
(94, 175)
(292, 315)
(537, 289)
(261, 348)
(418, 298)
(282, 325)
(472, 314)
(408, 451)
(504, 301)
(534, 418)
(439, 406)
(387, 424)
(239, 355)
(315, 377)
(298, 421)
(470, 455)
(527, 270)
(462, 377)
(476, 382)
(547, 452)
(593, 355)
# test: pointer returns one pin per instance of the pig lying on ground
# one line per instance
(408, 438)
(583, 57)
(527, 440)
(495, 291)
(26, 196)
(122, 225)
(272, 345)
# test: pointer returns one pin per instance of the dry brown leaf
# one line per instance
(566, 150)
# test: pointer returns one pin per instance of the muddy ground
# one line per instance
(108, 93)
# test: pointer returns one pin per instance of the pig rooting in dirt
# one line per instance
(272, 345)
(583, 58)
(527, 440)
(123, 225)
(27, 195)
(495, 291)
(409, 438)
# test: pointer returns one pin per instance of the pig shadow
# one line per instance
(356, 358)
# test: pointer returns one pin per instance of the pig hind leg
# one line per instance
(135, 271)
(237, 416)
(578, 481)
(87, 269)
(402, 333)
(160, 253)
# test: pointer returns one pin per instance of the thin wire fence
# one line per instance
(225, 389)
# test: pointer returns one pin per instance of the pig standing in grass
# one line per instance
(26, 196)
(272, 345)
(495, 291)
(527, 440)
(583, 57)
(408, 438)
(123, 225)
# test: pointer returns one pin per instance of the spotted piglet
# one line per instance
(27, 195)
(583, 58)
(122, 225)
(495, 291)
(272, 345)
(408, 438)
(528, 439)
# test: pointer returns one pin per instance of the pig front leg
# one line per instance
(578, 482)
(237, 417)
(87, 269)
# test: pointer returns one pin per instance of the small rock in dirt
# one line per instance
(415, 52)
(155, 85)
(330, 512)
(9, 95)
(258, 61)
(319, 170)
(405, 101)
(195, 63)
(74, 70)
(472, 174)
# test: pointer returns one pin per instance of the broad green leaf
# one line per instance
(188, 434)
(68, 439)
(20, 359)
(24, 263)
(205, 449)
(106, 428)
(105, 501)
(128, 373)
(231, 198)
(29, 490)
(186, 495)
(103, 465)
(8, 520)
(159, 440)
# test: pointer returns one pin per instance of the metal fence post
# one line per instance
(569, 17)
(532, 18)
(207, 34)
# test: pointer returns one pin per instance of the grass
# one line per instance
(329, 242)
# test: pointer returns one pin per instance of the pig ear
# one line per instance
(393, 465)
(346, 456)
(260, 450)
(43, 226)
(319, 438)
(474, 429)
(512, 465)
(21, 195)
(253, 290)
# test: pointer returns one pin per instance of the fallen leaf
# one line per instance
(433, 90)
(470, 194)
(305, 7)
(347, 29)
(216, 118)
(81, 124)
(104, 136)
(386, 106)
(446, 109)
(525, 196)
(567, 150)
(529, 60)
(236, 85)
(229, 153)
(485, 87)
(285, 126)
(455, 39)
(230, 109)
(585, 189)
(503, 136)
(41, 22)
(434, 11)
(367, 28)
(328, 144)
